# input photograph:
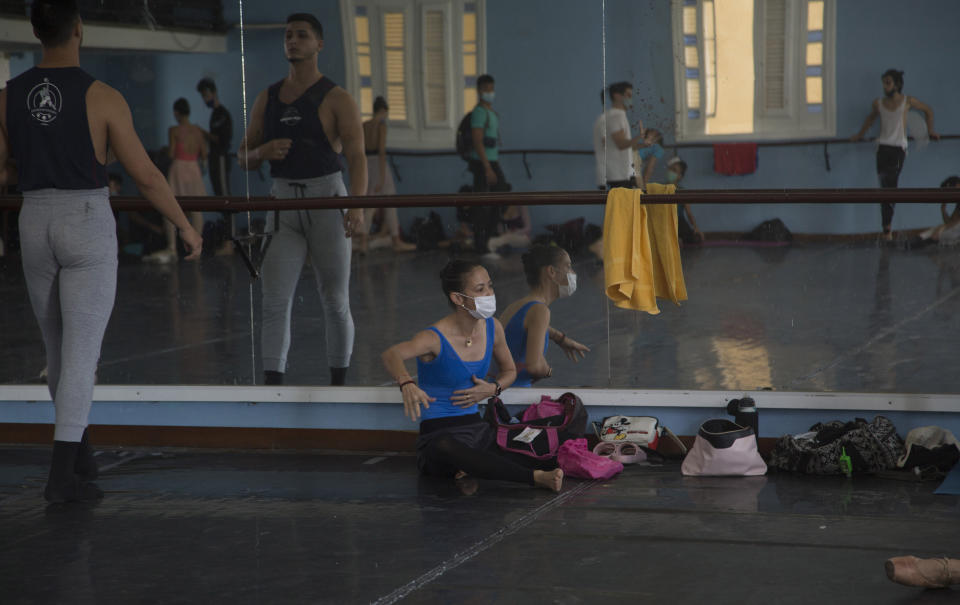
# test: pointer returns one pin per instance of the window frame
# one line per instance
(416, 132)
(794, 121)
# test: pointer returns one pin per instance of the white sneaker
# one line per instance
(161, 257)
(491, 256)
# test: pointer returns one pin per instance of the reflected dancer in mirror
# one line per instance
(550, 276)
(299, 125)
(380, 182)
(892, 111)
(185, 147)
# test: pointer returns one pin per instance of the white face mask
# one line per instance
(486, 306)
(571, 286)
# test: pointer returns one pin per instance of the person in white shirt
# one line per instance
(612, 144)
(892, 110)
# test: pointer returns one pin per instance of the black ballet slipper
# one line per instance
(86, 465)
(63, 483)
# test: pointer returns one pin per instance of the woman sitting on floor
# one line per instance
(514, 229)
(949, 231)
(550, 276)
(452, 357)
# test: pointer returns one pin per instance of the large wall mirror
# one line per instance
(719, 94)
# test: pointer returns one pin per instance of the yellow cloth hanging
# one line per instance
(641, 253)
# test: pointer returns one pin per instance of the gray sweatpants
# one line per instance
(320, 234)
(69, 246)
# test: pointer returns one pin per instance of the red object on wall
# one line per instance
(735, 158)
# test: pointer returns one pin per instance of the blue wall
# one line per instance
(547, 57)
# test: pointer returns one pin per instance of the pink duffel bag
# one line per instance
(723, 448)
(578, 461)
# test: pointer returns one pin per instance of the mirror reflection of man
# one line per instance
(218, 137)
(612, 143)
(485, 164)
(299, 125)
(892, 109)
(67, 230)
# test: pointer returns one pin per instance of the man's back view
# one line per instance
(57, 122)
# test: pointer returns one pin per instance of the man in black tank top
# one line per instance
(57, 122)
(299, 125)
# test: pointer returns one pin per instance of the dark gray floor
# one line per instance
(819, 317)
(212, 527)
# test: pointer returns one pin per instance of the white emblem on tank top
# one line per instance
(45, 102)
(291, 116)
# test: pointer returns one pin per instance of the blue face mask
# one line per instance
(672, 177)
(487, 97)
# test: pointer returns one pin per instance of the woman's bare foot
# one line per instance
(401, 246)
(924, 573)
(552, 480)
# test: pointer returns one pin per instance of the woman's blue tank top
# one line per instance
(516, 336)
(448, 373)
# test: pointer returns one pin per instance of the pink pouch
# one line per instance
(578, 461)
(545, 409)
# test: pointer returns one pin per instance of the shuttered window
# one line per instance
(423, 57)
(754, 69)
(395, 67)
(364, 67)
(470, 69)
(436, 82)
(774, 54)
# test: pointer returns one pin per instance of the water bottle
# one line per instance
(744, 412)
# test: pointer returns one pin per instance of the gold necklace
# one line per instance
(470, 339)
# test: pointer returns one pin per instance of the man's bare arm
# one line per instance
(476, 135)
(123, 139)
(622, 142)
(874, 114)
(350, 129)
(248, 154)
(927, 112)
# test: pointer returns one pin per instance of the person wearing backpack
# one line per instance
(483, 161)
(453, 358)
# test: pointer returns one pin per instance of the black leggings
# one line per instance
(484, 219)
(889, 164)
(445, 455)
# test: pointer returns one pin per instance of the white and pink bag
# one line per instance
(723, 448)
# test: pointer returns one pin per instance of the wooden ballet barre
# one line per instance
(544, 198)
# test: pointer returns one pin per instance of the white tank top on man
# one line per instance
(893, 125)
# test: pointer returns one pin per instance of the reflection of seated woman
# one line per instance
(452, 356)
(514, 229)
(949, 231)
(550, 276)
(380, 180)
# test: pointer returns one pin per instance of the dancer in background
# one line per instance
(892, 111)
